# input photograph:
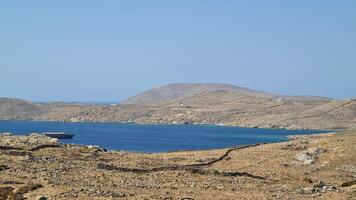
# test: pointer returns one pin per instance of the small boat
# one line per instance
(59, 135)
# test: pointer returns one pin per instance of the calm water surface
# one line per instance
(154, 138)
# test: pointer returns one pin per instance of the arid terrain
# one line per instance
(308, 167)
(199, 104)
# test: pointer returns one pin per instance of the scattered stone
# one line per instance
(308, 157)
(316, 189)
(348, 168)
(294, 147)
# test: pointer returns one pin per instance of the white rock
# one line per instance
(34, 134)
(309, 162)
(93, 147)
(303, 157)
(54, 140)
(73, 120)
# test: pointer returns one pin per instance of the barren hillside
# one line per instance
(200, 104)
(176, 91)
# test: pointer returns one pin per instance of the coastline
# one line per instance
(172, 124)
(278, 135)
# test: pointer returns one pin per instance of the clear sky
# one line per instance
(87, 50)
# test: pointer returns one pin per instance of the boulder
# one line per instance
(306, 159)
(54, 140)
(35, 134)
(314, 151)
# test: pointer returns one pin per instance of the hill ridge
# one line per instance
(175, 91)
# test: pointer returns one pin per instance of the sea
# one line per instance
(154, 138)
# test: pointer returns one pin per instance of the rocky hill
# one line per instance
(177, 91)
(199, 104)
(18, 109)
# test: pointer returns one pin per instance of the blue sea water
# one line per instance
(153, 138)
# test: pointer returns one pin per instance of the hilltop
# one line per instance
(177, 91)
(18, 109)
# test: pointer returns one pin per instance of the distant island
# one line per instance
(198, 103)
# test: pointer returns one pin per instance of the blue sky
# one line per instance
(88, 50)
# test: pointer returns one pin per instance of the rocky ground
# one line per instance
(308, 167)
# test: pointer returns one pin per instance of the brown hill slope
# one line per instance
(18, 109)
(234, 106)
(176, 91)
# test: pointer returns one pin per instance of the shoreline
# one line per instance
(288, 139)
(169, 124)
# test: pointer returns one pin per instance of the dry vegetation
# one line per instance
(308, 167)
